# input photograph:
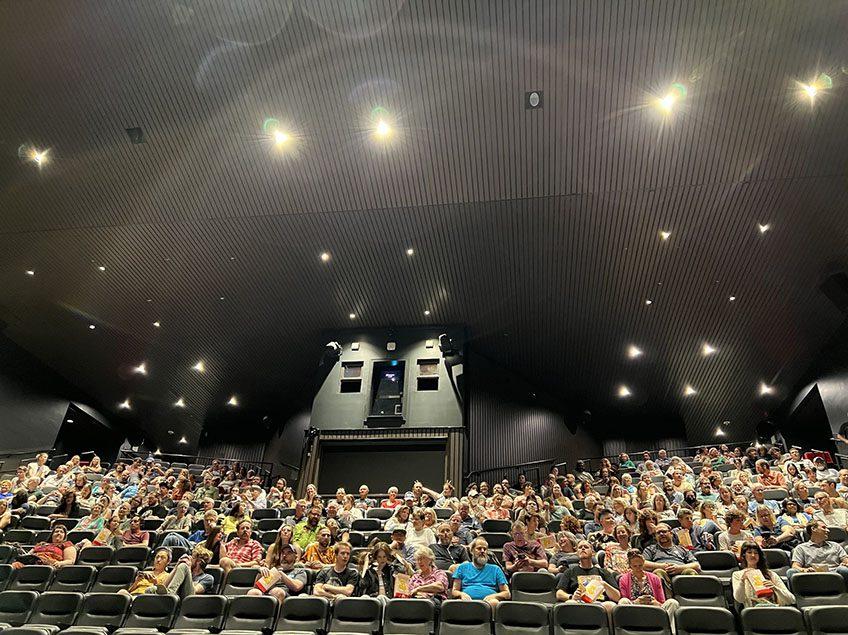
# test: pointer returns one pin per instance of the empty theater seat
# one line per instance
(527, 618)
(251, 613)
(102, 611)
(76, 578)
(698, 590)
(56, 610)
(773, 620)
(239, 581)
(15, 606)
(580, 619)
(827, 620)
(533, 587)
(33, 577)
(113, 578)
(704, 620)
(201, 612)
(150, 612)
(356, 615)
(303, 613)
(634, 619)
(413, 616)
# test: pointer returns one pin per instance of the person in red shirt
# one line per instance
(392, 501)
(243, 551)
(768, 477)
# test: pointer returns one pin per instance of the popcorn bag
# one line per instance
(266, 583)
(548, 542)
(592, 590)
(402, 585)
(684, 538)
(758, 581)
(102, 538)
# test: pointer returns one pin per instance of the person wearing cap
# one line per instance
(339, 580)
(283, 556)
(409, 500)
(399, 546)
(822, 471)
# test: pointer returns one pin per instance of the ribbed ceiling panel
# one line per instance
(538, 229)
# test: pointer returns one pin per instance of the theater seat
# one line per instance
(533, 587)
(580, 619)
(55, 610)
(97, 557)
(33, 577)
(262, 514)
(6, 572)
(498, 526)
(27, 630)
(20, 536)
(521, 618)
(827, 620)
(819, 589)
(239, 581)
(149, 612)
(721, 564)
(773, 620)
(251, 613)
(15, 606)
(102, 612)
(37, 523)
(778, 561)
(356, 615)
(379, 513)
(496, 540)
(366, 524)
(113, 578)
(303, 613)
(76, 578)
(413, 616)
(201, 613)
(704, 620)
(635, 619)
(698, 590)
(133, 555)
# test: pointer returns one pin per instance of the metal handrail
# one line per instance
(511, 472)
(263, 468)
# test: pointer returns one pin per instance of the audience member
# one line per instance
(479, 579)
(755, 584)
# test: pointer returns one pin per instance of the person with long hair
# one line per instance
(147, 579)
(5, 514)
(399, 519)
(615, 553)
(237, 513)
(755, 584)
(638, 586)
(214, 542)
(648, 521)
(379, 567)
(94, 521)
(67, 507)
(57, 552)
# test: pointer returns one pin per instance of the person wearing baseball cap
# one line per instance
(399, 546)
(284, 558)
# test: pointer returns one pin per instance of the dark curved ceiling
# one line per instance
(539, 229)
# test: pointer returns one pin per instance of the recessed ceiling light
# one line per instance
(141, 369)
(427, 312)
(623, 392)
(179, 403)
(707, 350)
(719, 432)
(221, 298)
(649, 302)
(183, 440)
(765, 389)
(39, 157)
(157, 324)
(669, 101)
(688, 391)
(92, 327)
(633, 351)
(410, 252)
(102, 268)
(732, 298)
(30, 272)
(281, 138)
(665, 235)
(810, 91)
(158, 451)
(764, 228)
(325, 257)
(382, 130)
(200, 367)
(233, 401)
(69, 420)
(125, 404)
(352, 316)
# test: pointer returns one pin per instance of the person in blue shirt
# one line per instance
(479, 579)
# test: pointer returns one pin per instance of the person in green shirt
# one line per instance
(306, 531)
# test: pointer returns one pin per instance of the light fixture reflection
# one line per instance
(667, 103)
(410, 252)
(765, 389)
(30, 272)
(623, 392)
(157, 324)
(719, 432)
(813, 89)
(183, 440)
(179, 403)
(649, 302)
(91, 327)
(427, 312)
(352, 316)
(233, 401)
(325, 257)
(665, 235)
(200, 367)
(764, 228)
(141, 369)
(125, 404)
(634, 351)
(707, 350)
(688, 391)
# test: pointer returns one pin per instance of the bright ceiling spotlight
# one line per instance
(623, 392)
(707, 350)
(634, 351)
(183, 440)
(649, 302)
(763, 227)
(141, 369)
(352, 316)
(233, 401)
(665, 235)
(427, 312)
(91, 327)
(125, 404)
(281, 138)
(732, 298)
(381, 124)
(102, 268)
(30, 272)
(689, 390)
(410, 252)
(179, 403)
(765, 389)
(719, 432)
(668, 102)
(325, 257)
(383, 130)
(810, 91)
(39, 157)
(157, 324)
(200, 367)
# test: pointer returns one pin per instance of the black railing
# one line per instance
(594, 463)
(535, 472)
(262, 469)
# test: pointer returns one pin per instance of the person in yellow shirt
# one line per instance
(146, 579)
(320, 553)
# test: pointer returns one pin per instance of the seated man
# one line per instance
(758, 498)
(462, 535)
(320, 554)
(521, 554)
(339, 580)
(306, 531)
(398, 544)
(819, 553)
(467, 520)
(448, 556)
(292, 578)
(668, 560)
(695, 537)
(478, 579)
(189, 577)
(832, 516)
(572, 584)
(299, 513)
(210, 520)
(767, 477)
(243, 551)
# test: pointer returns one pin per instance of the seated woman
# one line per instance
(93, 466)
(638, 586)
(428, 582)
(145, 580)
(793, 516)
(755, 584)
(660, 506)
(769, 535)
(67, 507)
(378, 571)
(57, 553)
(179, 520)
(94, 521)
(237, 513)
(565, 554)
(337, 533)
(399, 519)
(109, 536)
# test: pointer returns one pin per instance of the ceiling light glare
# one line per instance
(810, 91)
(157, 324)
(141, 369)
(732, 298)
(39, 157)
(719, 432)
(665, 235)
(688, 391)
(200, 367)
(30, 272)
(765, 389)
(382, 130)
(91, 327)
(764, 228)
(102, 268)
(427, 312)
(649, 302)
(623, 392)
(634, 351)
(233, 401)
(410, 252)
(125, 404)
(179, 403)
(352, 316)
(325, 257)
(667, 103)
(707, 350)
(183, 440)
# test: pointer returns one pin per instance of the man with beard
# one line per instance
(478, 579)
(306, 532)
(293, 579)
(320, 553)
(243, 551)
(668, 560)
(448, 555)
(339, 580)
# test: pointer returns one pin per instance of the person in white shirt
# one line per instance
(38, 468)
(417, 534)
(832, 516)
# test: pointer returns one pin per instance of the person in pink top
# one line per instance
(638, 586)
(392, 501)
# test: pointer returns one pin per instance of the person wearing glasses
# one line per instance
(668, 560)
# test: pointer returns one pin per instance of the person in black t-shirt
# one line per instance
(448, 555)
(573, 582)
(339, 580)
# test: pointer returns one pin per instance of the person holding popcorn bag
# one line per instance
(756, 584)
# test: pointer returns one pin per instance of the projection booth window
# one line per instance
(428, 375)
(351, 379)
